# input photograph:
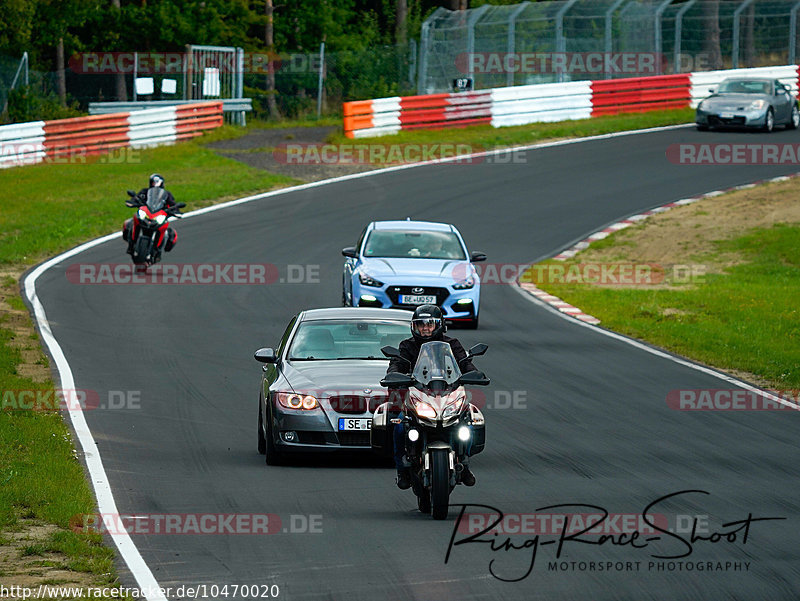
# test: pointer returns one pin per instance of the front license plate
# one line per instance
(726, 115)
(355, 423)
(417, 299)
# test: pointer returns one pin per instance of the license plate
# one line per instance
(726, 115)
(417, 299)
(355, 423)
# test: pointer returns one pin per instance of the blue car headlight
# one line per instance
(369, 281)
(757, 105)
(465, 284)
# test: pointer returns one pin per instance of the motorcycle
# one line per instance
(149, 229)
(442, 428)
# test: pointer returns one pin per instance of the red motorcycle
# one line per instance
(148, 232)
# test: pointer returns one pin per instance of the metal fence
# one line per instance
(564, 40)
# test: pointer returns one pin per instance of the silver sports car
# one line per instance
(750, 103)
(321, 384)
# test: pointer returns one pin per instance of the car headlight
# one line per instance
(453, 408)
(424, 409)
(465, 284)
(757, 105)
(292, 400)
(369, 281)
(160, 219)
(142, 214)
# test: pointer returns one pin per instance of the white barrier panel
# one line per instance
(541, 103)
(152, 127)
(21, 144)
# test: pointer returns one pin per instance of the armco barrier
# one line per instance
(29, 143)
(519, 105)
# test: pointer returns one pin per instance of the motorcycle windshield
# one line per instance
(436, 362)
(156, 199)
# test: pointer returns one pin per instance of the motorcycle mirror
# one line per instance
(397, 380)
(390, 351)
(180, 205)
(474, 378)
(131, 193)
(265, 355)
(478, 349)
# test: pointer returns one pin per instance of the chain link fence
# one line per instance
(567, 40)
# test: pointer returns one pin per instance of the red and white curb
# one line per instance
(575, 312)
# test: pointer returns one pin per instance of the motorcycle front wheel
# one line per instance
(440, 484)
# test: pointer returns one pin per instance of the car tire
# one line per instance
(702, 127)
(262, 441)
(272, 456)
(794, 120)
(769, 121)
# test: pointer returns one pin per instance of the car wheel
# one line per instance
(702, 127)
(794, 121)
(272, 455)
(262, 442)
(769, 120)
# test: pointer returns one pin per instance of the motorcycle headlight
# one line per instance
(160, 219)
(369, 281)
(757, 105)
(465, 285)
(292, 400)
(453, 408)
(424, 409)
(142, 214)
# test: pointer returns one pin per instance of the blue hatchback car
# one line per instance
(404, 264)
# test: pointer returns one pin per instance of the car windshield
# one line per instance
(436, 362)
(345, 339)
(742, 86)
(409, 244)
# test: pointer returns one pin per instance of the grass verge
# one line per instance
(729, 293)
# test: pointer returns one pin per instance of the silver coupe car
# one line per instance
(748, 103)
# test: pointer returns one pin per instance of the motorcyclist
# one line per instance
(155, 181)
(427, 325)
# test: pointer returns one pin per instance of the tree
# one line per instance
(269, 40)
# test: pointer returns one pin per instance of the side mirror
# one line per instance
(711, 90)
(180, 205)
(350, 252)
(131, 193)
(477, 257)
(478, 349)
(265, 355)
(397, 380)
(474, 378)
(390, 351)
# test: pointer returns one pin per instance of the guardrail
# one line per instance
(229, 105)
(29, 143)
(519, 105)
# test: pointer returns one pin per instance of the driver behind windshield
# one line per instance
(427, 325)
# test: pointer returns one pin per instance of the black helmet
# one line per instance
(428, 314)
(156, 181)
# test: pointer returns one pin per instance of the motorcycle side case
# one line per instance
(127, 227)
(381, 435)
(478, 430)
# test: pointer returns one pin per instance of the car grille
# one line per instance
(394, 293)
(354, 439)
(716, 120)
(354, 404)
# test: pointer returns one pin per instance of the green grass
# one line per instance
(746, 318)
(485, 137)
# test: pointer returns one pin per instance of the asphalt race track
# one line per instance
(591, 424)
